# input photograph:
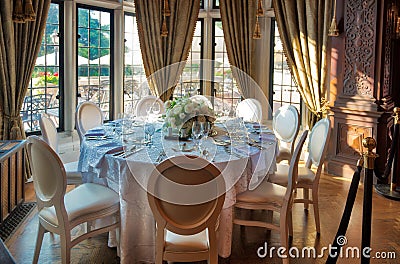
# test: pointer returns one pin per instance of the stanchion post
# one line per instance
(393, 183)
(369, 160)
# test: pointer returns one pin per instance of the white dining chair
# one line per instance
(250, 110)
(60, 212)
(286, 126)
(87, 116)
(50, 136)
(273, 197)
(146, 103)
(186, 228)
(309, 177)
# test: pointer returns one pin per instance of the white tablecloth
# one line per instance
(128, 176)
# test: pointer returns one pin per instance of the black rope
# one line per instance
(344, 223)
(392, 152)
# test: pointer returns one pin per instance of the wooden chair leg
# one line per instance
(284, 234)
(290, 224)
(65, 242)
(213, 254)
(39, 241)
(159, 246)
(306, 197)
(316, 209)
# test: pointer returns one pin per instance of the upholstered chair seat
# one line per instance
(188, 244)
(266, 192)
(306, 175)
(84, 200)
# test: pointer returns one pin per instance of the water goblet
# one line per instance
(156, 108)
(149, 130)
(197, 131)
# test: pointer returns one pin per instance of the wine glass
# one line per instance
(156, 108)
(197, 131)
(149, 130)
(206, 129)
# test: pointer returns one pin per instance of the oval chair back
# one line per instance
(49, 132)
(186, 195)
(286, 126)
(146, 103)
(317, 144)
(250, 109)
(49, 177)
(88, 115)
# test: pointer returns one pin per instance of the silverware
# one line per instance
(161, 156)
(130, 153)
(118, 153)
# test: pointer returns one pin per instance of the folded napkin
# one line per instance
(246, 150)
(97, 132)
(110, 148)
(267, 137)
(107, 148)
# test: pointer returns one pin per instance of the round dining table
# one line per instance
(123, 161)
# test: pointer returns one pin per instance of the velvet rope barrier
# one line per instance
(344, 223)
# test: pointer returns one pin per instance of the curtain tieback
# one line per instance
(15, 129)
(324, 110)
(13, 118)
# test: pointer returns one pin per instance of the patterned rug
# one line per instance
(13, 221)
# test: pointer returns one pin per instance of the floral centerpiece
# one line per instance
(181, 112)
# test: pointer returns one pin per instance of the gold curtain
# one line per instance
(19, 47)
(303, 27)
(159, 52)
(238, 21)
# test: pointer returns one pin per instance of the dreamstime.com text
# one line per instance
(311, 252)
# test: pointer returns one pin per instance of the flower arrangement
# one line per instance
(181, 112)
(47, 77)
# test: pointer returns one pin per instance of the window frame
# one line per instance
(61, 94)
(272, 83)
(112, 54)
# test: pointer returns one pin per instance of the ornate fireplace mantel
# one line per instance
(362, 87)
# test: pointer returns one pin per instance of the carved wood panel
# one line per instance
(360, 27)
(350, 139)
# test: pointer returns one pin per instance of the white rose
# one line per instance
(188, 108)
(204, 109)
(177, 109)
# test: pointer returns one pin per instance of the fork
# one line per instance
(161, 156)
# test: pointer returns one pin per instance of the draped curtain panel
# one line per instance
(303, 27)
(19, 47)
(238, 21)
(159, 52)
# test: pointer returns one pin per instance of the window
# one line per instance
(225, 88)
(95, 60)
(191, 81)
(284, 89)
(45, 88)
(134, 74)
